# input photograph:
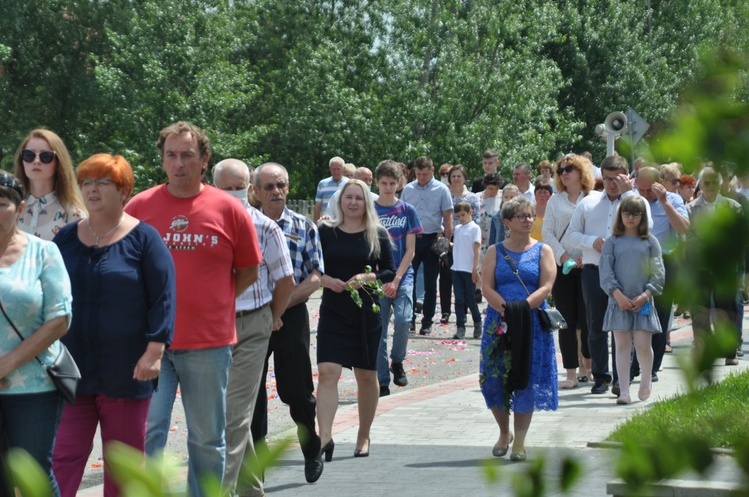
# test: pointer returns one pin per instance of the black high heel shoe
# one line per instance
(362, 453)
(327, 450)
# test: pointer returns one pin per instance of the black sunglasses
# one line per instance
(567, 169)
(45, 157)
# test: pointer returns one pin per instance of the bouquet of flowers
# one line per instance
(498, 358)
(373, 288)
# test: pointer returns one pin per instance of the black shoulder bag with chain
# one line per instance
(63, 371)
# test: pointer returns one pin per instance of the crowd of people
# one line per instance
(194, 286)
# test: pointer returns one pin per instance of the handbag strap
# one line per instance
(512, 266)
(7, 318)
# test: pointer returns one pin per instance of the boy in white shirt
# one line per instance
(465, 269)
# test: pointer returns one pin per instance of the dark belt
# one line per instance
(241, 314)
(590, 265)
(426, 235)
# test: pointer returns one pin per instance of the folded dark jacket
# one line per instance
(518, 319)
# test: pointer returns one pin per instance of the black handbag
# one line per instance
(441, 247)
(550, 318)
(63, 371)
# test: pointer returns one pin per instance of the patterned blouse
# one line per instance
(44, 216)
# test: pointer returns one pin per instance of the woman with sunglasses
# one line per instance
(43, 165)
(123, 301)
(36, 303)
(574, 181)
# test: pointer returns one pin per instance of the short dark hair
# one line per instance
(519, 203)
(615, 163)
(462, 206)
(489, 154)
(543, 184)
(11, 188)
(423, 162)
(388, 168)
(457, 168)
(493, 179)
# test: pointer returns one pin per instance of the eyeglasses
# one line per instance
(525, 217)
(709, 182)
(45, 157)
(567, 169)
(608, 180)
(87, 183)
(269, 187)
(632, 215)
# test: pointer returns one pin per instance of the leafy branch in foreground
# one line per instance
(373, 288)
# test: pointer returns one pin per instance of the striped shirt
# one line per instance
(326, 188)
(304, 244)
(276, 262)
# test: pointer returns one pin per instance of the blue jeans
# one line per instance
(402, 308)
(29, 422)
(465, 296)
(202, 375)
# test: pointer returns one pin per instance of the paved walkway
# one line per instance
(436, 440)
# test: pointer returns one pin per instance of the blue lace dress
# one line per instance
(541, 393)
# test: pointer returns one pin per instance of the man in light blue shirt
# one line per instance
(434, 204)
(328, 186)
(670, 219)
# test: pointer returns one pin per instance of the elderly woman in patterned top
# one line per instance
(36, 308)
(43, 165)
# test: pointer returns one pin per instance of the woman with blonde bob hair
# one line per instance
(356, 250)
(43, 165)
(123, 282)
(574, 180)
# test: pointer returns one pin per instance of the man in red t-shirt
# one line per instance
(216, 256)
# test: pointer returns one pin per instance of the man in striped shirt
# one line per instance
(328, 186)
(258, 313)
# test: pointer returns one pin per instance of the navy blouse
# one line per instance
(123, 298)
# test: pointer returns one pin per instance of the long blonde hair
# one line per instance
(371, 220)
(66, 187)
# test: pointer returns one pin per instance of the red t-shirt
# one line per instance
(208, 236)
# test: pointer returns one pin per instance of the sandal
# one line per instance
(568, 384)
(582, 379)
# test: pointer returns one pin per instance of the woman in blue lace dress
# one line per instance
(513, 311)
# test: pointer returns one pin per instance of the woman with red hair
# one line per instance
(687, 184)
(123, 282)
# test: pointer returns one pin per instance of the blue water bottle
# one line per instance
(569, 266)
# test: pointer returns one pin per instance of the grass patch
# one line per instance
(716, 413)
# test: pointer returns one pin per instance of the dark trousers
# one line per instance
(568, 299)
(446, 286)
(293, 369)
(426, 257)
(725, 306)
(465, 296)
(596, 302)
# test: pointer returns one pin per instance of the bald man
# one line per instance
(258, 313)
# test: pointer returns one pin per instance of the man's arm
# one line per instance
(281, 295)
(243, 278)
(448, 222)
(317, 212)
(305, 288)
(679, 220)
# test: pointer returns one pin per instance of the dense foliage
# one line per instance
(298, 82)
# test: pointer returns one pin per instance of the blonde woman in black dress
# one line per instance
(349, 335)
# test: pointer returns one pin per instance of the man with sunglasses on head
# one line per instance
(670, 219)
(291, 342)
(589, 227)
(216, 255)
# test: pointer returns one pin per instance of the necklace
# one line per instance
(98, 238)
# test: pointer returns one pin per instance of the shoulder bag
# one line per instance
(550, 318)
(63, 371)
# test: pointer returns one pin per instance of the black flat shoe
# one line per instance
(327, 450)
(313, 468)
(362, 453)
